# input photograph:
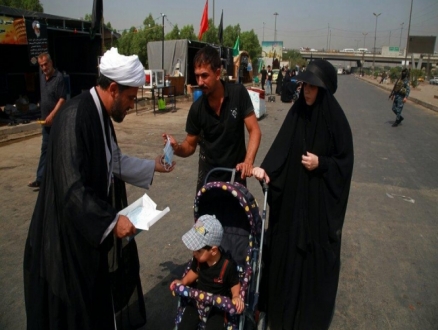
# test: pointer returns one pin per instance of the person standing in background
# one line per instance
(399, 95)
(269, 79)
(263, 74)
(53, 96)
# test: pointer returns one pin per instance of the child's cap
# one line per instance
(206, 231)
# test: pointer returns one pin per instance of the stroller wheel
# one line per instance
(261, 325)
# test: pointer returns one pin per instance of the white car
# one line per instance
(433, 81)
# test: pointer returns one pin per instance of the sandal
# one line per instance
(35, 184)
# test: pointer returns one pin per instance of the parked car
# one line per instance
(433, 81)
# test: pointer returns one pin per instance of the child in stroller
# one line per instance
(214, 272)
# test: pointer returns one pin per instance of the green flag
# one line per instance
(236, 47)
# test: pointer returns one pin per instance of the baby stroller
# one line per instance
(237, 210)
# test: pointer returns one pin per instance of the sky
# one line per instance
(319, 24)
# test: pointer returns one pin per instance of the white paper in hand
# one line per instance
(143, 212)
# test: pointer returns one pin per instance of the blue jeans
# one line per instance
(42, 164)
(269, 84)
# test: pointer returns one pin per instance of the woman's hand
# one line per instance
(260, 174)
(310, 161)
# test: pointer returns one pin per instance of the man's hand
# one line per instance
(404, 100)
(49, 120)
(172, 140)
(124, 227)
(161, 166)
(310, 161)
(245, 170)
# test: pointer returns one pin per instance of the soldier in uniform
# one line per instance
(399, 95)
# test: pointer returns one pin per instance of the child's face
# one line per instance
(204, 255)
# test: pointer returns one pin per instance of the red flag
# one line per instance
(204, 21)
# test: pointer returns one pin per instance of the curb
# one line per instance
(11, 133)
(412, 99)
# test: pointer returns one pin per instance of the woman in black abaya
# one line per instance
(308, 168)
(279, 82)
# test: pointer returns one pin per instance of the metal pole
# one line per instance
(401, 32)
(364, 35)
(275, 32)
(263, 31)
(328, 29)
(375, 33)
(213, 12)
(409, 30)
(162, 46)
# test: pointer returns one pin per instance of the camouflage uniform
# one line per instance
(401, 90)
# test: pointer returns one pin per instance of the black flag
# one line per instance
(96, 16)
(221, 29)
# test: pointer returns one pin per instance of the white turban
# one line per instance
(124, 70)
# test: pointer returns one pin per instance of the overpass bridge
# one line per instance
(362, 58)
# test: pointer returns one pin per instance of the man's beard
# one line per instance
(117, 112)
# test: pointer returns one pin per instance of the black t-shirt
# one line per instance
(51, 91)
(264, 74)
(221, 138)
(270, 75)
(207, 276)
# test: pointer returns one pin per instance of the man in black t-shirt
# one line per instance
(217, 122)
(263, 74)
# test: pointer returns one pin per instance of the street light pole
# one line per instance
(401, 32)
(275, 32)
(364, 35)
(162, 45)
(375, 33)
(407, 42)
(263, 31)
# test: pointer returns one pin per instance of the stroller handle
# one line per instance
(222, 169)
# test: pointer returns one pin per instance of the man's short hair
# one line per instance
(46, 55)
(208, 55)
(104, 82)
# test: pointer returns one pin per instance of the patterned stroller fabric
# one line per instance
(238, 212)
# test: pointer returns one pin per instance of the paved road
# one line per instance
(389, 275)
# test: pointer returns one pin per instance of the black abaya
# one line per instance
(73, 280)
(307, 211)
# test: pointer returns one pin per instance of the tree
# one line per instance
(294, 58)
(188, 32)
(135, 40)
(250, 42)
(174, 34)
(32, 5)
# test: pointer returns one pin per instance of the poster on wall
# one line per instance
(272, 52)
(12, 31)
(36, 39)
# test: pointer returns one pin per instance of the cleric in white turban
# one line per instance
(124, 70)
(76, 226)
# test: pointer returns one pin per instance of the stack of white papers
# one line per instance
(143, 212)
